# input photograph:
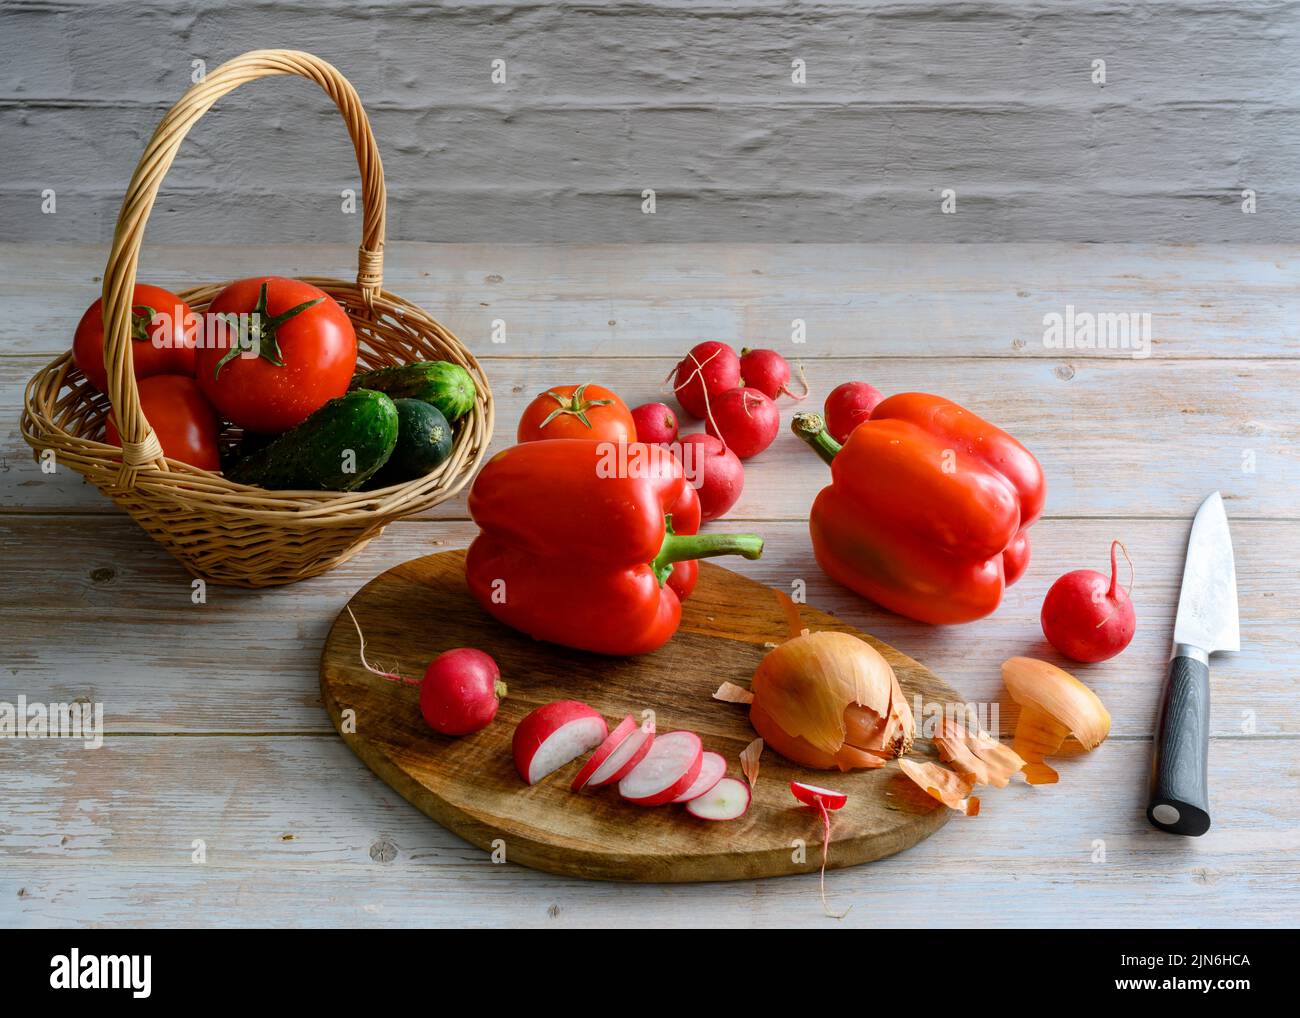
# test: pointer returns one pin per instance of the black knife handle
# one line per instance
(1179, 800)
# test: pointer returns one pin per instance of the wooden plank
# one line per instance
(882, 300)
(697, 102)
(297, 832)
(1116, 438)
(246, 661)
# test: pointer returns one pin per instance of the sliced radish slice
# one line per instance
(671, 767)
(622, 760)
(726, 800)
(615, 739)
(811, 795)
(554, 734)
(712, 770)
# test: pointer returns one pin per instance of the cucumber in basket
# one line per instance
(335, 449)
(424, 441)
(447, 386)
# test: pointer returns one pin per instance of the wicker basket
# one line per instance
(222, 531)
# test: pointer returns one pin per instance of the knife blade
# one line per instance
(1207, 622)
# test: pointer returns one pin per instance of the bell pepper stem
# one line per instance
(812, 429)
(685, 547)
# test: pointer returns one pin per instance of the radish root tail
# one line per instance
(391, 676)
(826, 854)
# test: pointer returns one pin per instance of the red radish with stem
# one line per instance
(1088, 616)
(655, 423)
(824, 800)
(715, 471)
(554, 734)
(629, 753)
(727, 800)
(745, 420)
(708, 369)
(769, 373)
(671, 767)
(460, 692)
(604, 751)
(713, 768)
(847, 406)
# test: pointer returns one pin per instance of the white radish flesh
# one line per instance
(623, 759)
(726, 800)
(671, 767)
(554, 734)
(713, 768)
(603, 752)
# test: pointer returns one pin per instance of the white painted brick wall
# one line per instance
(694, 100)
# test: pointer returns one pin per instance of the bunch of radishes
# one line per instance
(649, 769)
(735, 396)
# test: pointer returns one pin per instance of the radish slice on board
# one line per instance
(619, 763)
(726, 800)
(712, 770)
(812, 795)
(554, 734)
(603, 752)
(671, 767)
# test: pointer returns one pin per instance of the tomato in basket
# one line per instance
(162, 334)
(185, 423)
(299, 352)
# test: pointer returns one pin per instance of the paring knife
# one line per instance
(1206, 623)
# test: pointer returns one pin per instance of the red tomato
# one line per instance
(577, 411)
(185, 423)
(161, 328)
(306, 353)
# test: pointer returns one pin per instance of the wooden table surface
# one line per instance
(217, 737)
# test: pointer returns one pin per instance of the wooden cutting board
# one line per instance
(416, 610)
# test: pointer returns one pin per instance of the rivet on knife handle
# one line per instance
(1179, 797)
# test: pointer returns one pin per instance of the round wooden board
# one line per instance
(414, 611)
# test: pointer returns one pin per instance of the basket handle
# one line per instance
(140, 445)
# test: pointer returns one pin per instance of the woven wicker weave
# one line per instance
(222, 531)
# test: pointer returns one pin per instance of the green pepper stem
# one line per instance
(685, 547)
(812, 429)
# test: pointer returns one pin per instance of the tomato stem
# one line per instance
(812, 429)
(576, 405)
(263, 340)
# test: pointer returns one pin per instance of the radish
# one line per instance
(811, 795)
(655, 423)
(745, 419)
(716, 472)
(612, 741)
(630, 753)
(1088, 617)
(461, 691)
(709, 369)
(769, 373)
(727, 800)
(847, 406)
(824, 800)
(554, 734)
(712, 770)
(671, 767)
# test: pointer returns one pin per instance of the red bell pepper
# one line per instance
(927, 508)
(578, 543)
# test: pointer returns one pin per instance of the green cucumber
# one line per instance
(424, 441)
(335, 449)
(447, 386)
